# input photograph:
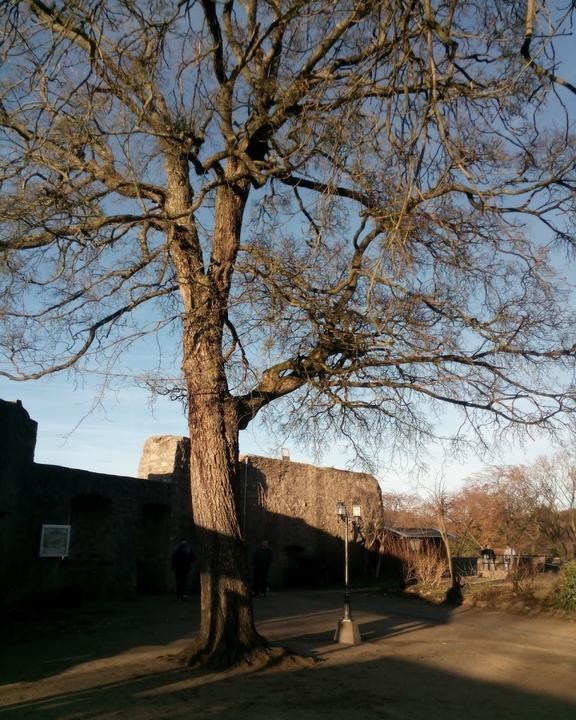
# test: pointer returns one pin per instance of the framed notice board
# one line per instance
(55, 541)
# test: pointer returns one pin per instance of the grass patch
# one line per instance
(526, 594)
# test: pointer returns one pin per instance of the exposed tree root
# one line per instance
(259, 657)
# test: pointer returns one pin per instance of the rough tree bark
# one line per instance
(227, 632)
(376, 159)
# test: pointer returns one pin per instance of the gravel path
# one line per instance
(417, 661)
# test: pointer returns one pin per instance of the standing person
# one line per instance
(182, 559)
(488, 558)
(509, 554)
(262, 562)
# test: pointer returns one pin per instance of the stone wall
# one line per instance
(123, 529)
(17, 444)
(293, 505)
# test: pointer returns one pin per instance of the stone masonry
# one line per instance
(293, 505)
(123, 529)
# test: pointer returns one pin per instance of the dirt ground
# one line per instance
(416, 661)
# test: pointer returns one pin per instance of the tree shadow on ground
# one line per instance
(378, 617)
(370, 681)
(313, 643)
(50, 643)
(384, 688)
(61, 640)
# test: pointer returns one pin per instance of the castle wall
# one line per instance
(106, 514)
(17, 443)
(166, 458)
(123, 529)
(293, 505)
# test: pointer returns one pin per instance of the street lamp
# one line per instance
(347, 631)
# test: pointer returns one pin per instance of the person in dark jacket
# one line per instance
(182, 559)
(488, 558)
(262, 562)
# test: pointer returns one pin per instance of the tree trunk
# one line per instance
(227, 632)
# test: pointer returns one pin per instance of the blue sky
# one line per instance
(77, 430)
(109, 437)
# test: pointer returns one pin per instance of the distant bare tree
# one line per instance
(351, 206)
(441, 504)
(530, 507)
(555, 478)
(500, 506)
(404, 510)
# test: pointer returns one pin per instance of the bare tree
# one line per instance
(473, 518)
(555, 479)
(404, 510)
(500, 506)
(351, 206)
(441, 503)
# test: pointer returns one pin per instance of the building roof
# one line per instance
(418, 532)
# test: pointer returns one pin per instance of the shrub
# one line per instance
(426, 567)
(523, 583)
(565, 595)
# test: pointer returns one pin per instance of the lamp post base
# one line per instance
(347, 632)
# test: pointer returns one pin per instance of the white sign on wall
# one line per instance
(55, 541)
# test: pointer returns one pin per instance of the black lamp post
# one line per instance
(347, 631)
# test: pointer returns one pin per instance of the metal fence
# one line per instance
(466, 566)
